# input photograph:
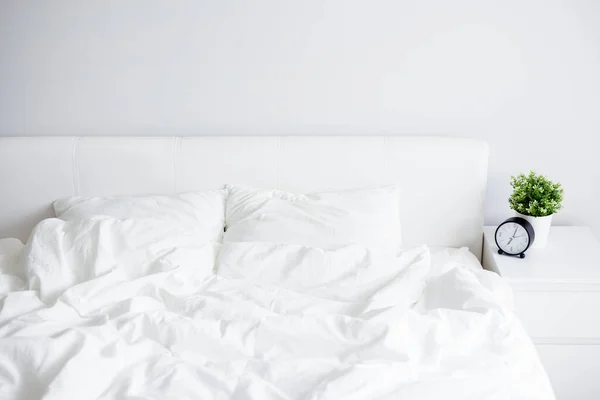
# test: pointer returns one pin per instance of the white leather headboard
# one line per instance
(443, 179)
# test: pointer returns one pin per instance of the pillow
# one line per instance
(366, 217)
(202, 211)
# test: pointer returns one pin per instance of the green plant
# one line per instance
(535, 195)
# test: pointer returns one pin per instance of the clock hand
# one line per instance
(516, 229)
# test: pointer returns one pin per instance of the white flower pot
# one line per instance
(541, 227)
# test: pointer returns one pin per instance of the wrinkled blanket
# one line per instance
(107, 309)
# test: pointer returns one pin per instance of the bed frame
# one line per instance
(443, 180)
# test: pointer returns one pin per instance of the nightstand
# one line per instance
(557, 298)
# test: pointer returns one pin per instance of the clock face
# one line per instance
(512, 238)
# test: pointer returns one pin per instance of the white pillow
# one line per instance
(367, 217)
(202, 211)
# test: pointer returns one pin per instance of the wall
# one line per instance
(523, 75)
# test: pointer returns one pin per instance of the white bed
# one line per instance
(443, 179)
(142, 308)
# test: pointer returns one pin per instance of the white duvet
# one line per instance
(109, 309)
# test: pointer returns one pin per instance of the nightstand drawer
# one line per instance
(559, 314)
(573, 370)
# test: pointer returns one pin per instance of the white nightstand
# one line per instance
(557, 298)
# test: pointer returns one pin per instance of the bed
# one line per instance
(278, 295)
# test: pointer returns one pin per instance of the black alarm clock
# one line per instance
(514, 236)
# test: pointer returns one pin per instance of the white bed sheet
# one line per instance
(274, 322)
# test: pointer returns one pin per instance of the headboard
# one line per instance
(443, 180)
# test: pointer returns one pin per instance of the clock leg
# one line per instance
(500, 251)
(522, 255)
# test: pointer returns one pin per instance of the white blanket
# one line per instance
(103, 316)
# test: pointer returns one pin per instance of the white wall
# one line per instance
(523, 75)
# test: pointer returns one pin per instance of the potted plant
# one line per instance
(536, 198)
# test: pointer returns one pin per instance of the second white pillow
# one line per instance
(203, 212)
(367, 217)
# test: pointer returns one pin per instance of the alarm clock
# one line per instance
(514, 236)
